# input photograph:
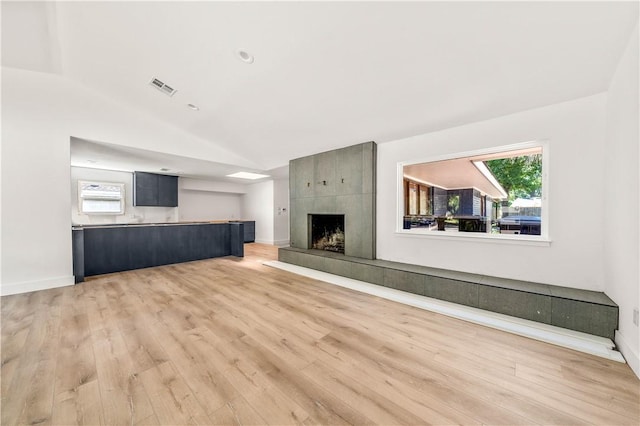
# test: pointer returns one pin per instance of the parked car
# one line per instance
(523, 225)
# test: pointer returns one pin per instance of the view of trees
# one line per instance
(520, 176)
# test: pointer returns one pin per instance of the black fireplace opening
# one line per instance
(326, 232)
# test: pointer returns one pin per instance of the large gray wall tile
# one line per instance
(304, 177)
(464, 293)
(587, 317)
(325, 173)
(367, 273)
(324, 205)
(405, 281)
(369, 157)
(519, 304)
(298, 225)
(349, 170)
(289, 256)
(338, 267)
(318, 263)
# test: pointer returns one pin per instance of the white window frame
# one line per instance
(542, 239)
(120, 197)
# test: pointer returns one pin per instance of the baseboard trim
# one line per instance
(281, 243)
(583, 342)
(632, 357)
(270, 242)
(29, 286)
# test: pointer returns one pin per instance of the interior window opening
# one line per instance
(497, 194)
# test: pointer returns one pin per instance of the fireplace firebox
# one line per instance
(326, 232)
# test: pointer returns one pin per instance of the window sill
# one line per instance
(532, 240)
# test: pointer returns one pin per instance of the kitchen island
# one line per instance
(103, 249)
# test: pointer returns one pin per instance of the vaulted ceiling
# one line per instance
(324, 74)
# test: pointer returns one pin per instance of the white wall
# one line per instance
(257, 205)
(211, 186)
(621, 240)
(268, 204)
(40, 113)
(575, 133)
(131, 214)
(281, 212)
(209, 200)
(205, 205)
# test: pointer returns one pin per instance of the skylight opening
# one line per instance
(247, 175)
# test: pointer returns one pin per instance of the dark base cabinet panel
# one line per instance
(77, 242)
(106, 250)
(249, 230)
(115, 249)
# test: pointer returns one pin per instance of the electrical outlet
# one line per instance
(635, 316)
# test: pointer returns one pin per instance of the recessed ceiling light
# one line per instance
(247, 175)
(193, 107)
(245, 56)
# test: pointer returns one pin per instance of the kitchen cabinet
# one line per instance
(77, 244)
(167, 191)
(154, 190)
(106, 249)
(249, 230)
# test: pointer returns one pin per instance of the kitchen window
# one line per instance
(100, 197)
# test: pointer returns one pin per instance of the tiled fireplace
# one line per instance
(339, 188)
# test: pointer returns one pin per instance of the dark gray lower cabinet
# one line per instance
(121, 248)
(249, 230)
(106, 250)
(77, 242)
(237, 238)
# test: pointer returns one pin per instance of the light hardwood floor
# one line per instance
(231, 341)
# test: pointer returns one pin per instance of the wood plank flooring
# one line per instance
(231, 341)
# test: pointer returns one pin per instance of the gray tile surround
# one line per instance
(341, 181)
(581, 310)
(521, 304)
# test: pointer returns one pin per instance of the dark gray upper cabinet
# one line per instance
(150, 189)
(145, 189)
(167, 191)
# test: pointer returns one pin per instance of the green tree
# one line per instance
(453, 204)
(520, 176)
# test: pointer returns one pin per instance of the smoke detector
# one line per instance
(163, 87)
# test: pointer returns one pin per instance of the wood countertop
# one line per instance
(137, 224)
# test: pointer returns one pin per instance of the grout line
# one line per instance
(583, 342)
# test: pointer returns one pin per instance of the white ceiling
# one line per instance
(100, 155)
(326, 74)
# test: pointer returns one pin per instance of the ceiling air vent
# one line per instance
(167, 90)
